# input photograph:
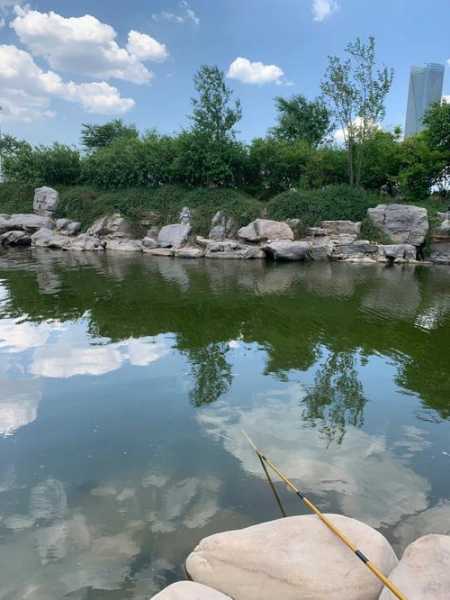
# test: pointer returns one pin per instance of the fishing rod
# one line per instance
(313, 508)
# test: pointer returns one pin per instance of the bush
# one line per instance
(330, 203)
(16, 198)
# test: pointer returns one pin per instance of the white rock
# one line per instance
(46, 238)
(123, 245)
(402, 223)
(424, 570)
(15, 238)
(45, 201)
(286, 250)
(398, 252)
(264, 229)
(185, 215)
(86, 242)
(341, 227)
(189, 252)
(293, 558)
(174, 236)
(24, 222)
(222, 226)
(232, 249)
(159, 251)
(357, 251)
(110, 226)
(188, 590)
(149, 242)
(68, 227)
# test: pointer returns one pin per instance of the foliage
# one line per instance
(383, 156)
(356, 95)
(326, 166)
(369, 231)
(421, 167)
(16, 198)
(94, 137)
(329, 203)
(437, 126)
(302, 120)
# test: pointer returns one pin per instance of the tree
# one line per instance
(94, 137)
(214, 114)
(300, 119)
(356, 92)
(437, 126)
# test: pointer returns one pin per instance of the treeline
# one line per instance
(299, 152)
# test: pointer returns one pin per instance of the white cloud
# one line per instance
(185, 15)
(145, 47)
(255, 73)
(322, 9)
(26, 89)
(86, 46)
(2, 22)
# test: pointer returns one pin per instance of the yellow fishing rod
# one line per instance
(313, 508)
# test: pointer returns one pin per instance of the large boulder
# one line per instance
(262, 230)
(440, 251)
(123, 245)
(110, 226)
(397, 253)
(67, 227)
(334, 228)
(286, 250)
(174, 236)
(87, 243)
(222, 227)
(230, 249)
(45, 201)
(292, 558)
(15, 238)
(357, 251)
(402, 223)
(24, 222)
(47, 238)
(424, 570)
(189, 590)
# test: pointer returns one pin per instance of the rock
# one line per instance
(424, 570)
(45, 201)
(158, 251)
(86, 242)
(173, 236)
(124, 245)
(110, 226)
(357, 251)
(231, 249)
(316, 232)
(202, 241)
(443, 229)
(185, 216)
(222, 227)
(46, 238)
(334, 228)
(188, 590)
(15, 238)
(397, 253)
(402, 223)
(189, 252)
(440, 251)
(24, 222)
(320, 250)
(286, 250)
(292, 558)
(264, 230)
(297, 227)
(68, 227)
(149, 243)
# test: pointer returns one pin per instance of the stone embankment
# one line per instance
(405, 226)
(298, 557)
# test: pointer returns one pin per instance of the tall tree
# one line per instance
(302, 120)
(356, 91)
(94, 137)
(214, 113)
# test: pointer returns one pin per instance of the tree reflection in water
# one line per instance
(211, 373)
(337, 397)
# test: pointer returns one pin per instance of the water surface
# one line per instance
(126, 381)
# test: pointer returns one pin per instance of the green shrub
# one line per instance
(369, 231)
(329, 203)
(43, 165)
(16, 198)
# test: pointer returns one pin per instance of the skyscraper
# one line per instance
(425, 88)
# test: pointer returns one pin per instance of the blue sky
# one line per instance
(59, 68)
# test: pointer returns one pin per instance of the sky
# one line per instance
(68, 62)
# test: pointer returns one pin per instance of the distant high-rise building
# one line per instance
(425, 88)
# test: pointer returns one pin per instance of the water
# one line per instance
(126, 382)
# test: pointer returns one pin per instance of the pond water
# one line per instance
(126, 383)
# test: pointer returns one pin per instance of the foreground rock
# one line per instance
(398, 253)
(440, 240)
(15, 238)
(402, 223)
(188, 590)
(231, 249)
(24, 222)
(68, 227)
(424, 570)
(114, 226)
(189, 252)
(263, 230)
(357, 251)
(222, 227)
(45, 201)
(86, 243)
(124, 245)
(46, 238)
(174, 236)
(292, 558)
(333, 228)
(286, 250)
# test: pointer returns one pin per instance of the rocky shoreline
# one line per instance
(405, 229)
(298, 557)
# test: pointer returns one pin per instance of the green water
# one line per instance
(126, 381)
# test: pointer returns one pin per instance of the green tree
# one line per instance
(302, 120)
(94, 137)
(437, 126)
(356, 92)
(421, 167)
